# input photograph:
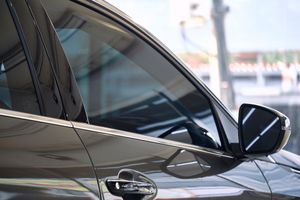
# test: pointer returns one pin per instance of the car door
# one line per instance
(153, 130)
(40, 157)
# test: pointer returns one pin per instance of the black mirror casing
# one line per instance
(262, 130)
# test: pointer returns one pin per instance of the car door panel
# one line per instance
(179, 172)
(43, 158)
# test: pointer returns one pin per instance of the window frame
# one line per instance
(41, 26)
(31, 68)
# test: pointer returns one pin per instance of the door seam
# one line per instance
(262, 173)
(90, 158)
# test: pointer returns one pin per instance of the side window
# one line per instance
(17, 91)
(126, 84)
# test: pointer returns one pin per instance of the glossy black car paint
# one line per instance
(47, 158)
(43, 159)
(179, 172)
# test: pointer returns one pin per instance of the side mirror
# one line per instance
(262, 130)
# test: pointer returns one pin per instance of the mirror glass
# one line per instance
(259, 129)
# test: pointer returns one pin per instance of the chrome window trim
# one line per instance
(35, 118)
(296, 171)
(109, 131)
(131, 135)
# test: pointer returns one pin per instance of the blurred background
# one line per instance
(244, 50)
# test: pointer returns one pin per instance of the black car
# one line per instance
(94, 107)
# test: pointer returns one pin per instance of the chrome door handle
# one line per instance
(129, 187)
(132, 185)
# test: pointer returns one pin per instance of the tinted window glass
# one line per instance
(126, 84)
(16, 88)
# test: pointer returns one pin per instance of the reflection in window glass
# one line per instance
(16, 88)
(127, 85)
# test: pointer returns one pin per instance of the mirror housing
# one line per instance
(262, 130)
